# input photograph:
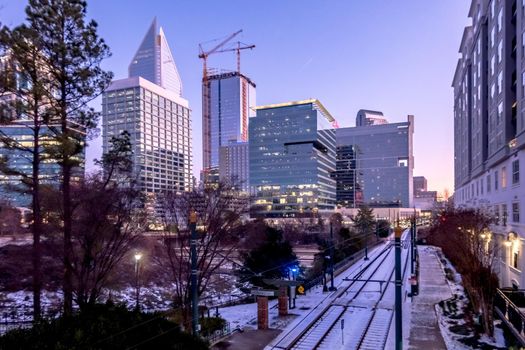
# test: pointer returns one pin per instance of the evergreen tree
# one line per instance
(271, 259)
(23, 86)
(364, 221)
(72, 52)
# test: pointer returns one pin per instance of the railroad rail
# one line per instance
(366, 312)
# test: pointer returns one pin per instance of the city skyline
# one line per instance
(399, 75)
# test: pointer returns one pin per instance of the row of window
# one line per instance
(493, 181)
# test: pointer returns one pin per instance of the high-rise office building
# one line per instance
(384, 164)
(19, 160)
(233, 165)
(155, 115)
(489, 124)
(231, 98)
(153, 61)
(291, 155)
(420, 184)
(367, 117)
(20, 133)
(348, 188)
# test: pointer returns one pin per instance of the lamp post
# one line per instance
(366, 245)
(137, 258)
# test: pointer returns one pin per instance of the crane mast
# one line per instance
(206, 119)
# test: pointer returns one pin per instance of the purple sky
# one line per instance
(394, 56)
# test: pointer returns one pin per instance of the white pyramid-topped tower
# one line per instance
(154, 61)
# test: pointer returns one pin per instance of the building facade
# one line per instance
(384, 164)
(420, 184)
(489, 124)
(231, 98)
(367, 117)
(19, 160)
(153, 61)
(233, 165)
(155, 115)
(292, 155)
(349, 193)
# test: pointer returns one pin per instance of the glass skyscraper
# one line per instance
(384, 164)
(154, 61)
(155, 115)
(12, 188)
(292, 152)
(231, 97)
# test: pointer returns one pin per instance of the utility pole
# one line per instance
(193, 252)
(332, 288)
(399, 284)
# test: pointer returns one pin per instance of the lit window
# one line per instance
(504, 177)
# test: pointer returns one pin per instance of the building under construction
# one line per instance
(226, 101)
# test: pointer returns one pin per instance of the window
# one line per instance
(496, 214)
(500, 82)
(500, 113)
(496, 180)
(500, 51)
(516, 171)
(488, 183)
(515, 212)
(492, 90)
(504, 214)
(515, 255)
(493, 65)
(492, 36)
(500, 20)
(504, 177)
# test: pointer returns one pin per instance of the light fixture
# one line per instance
(138, 256)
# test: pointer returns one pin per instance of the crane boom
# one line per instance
(204, 54)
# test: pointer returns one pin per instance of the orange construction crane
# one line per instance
(206, 127)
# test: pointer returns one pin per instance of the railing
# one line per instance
(511, 315)
(218, 335)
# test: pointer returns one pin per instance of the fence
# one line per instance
(511, 314)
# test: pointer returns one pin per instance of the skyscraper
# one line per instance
(291, 155)
(155, 115)
(233, 165)
(367, 117)
(489, 125)
(154, 61)
(231, 97)
(384, 167)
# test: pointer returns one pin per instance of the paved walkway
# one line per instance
(248, 340)
(424, 328)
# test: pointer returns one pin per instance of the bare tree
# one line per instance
(107, 223)
(465, 238)
(218, 221)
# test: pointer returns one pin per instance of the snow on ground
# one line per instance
(245, 316)
(15, 240)
(457, 332)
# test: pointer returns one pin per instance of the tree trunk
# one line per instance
(36, 227)
(68, 246)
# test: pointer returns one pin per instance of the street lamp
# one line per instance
(137, 257)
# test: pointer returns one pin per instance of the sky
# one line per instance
(397, 57)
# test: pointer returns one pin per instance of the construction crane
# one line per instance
(203, 54)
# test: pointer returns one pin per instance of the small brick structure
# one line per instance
(283, 301)
(262, 312)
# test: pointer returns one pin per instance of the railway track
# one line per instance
(363, 304)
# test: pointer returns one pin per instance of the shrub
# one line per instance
(103, 327)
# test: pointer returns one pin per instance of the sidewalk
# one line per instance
(433, 287)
